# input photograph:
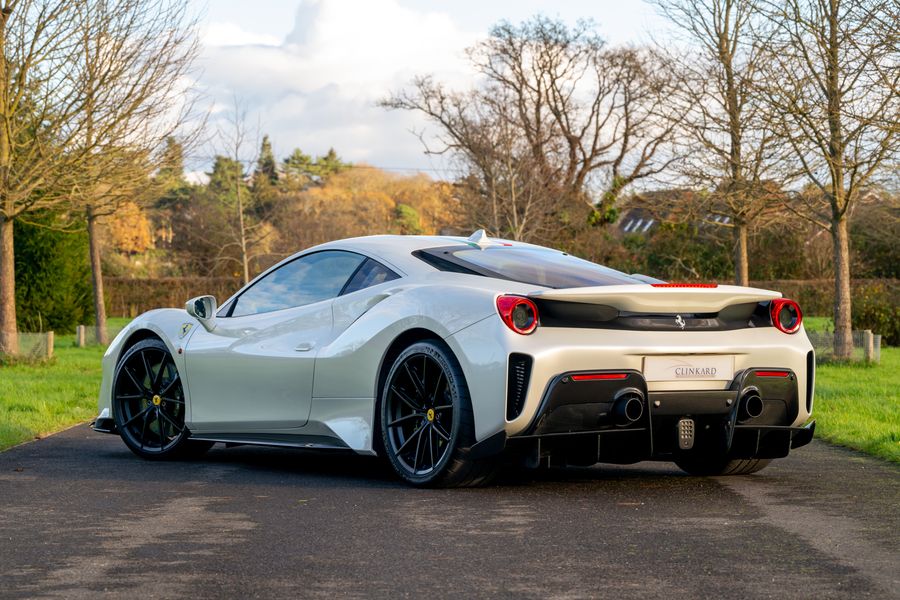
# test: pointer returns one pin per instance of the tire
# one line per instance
(705, 466)
(148, 404)
(410, 411)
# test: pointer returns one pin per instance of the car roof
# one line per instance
(397, 249)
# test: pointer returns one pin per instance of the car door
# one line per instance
(254, 371)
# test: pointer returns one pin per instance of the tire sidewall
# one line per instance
(458, 394)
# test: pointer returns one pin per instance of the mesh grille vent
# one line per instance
(517, 384)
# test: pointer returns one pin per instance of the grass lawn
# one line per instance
(856, 405)
(39, 399)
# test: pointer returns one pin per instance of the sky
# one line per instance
(309, 72)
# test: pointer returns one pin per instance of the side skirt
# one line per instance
(307, 442)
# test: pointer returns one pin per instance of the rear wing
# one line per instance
(644, 298)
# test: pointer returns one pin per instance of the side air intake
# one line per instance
(517, 384)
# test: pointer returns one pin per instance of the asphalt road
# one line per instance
(79, 514)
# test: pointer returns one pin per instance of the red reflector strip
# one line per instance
(597, 376)
(685, 285)
(772, 373)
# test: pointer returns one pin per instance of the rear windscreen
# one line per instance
(538, 266)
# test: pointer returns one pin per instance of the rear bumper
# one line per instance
(613, 417)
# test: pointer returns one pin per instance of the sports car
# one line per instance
(456, 358)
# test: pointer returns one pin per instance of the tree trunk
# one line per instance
(741, 261)
(9, 336)
(245, 263)
(97, 278)
(843, 339)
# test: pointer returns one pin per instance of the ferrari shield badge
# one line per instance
(186, 329)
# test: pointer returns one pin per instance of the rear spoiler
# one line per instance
(643, 298)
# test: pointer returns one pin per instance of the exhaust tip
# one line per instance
(629, 408)
(751, 404)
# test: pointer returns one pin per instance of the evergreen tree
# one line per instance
(53, 276)
(265, 165)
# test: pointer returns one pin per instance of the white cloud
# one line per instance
(231, 34)
(318, 88)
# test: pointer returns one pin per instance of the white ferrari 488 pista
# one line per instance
(452, 357)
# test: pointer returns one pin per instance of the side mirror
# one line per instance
(203, 308)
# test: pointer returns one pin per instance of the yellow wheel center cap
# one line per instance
(430, 414)
(157, 400)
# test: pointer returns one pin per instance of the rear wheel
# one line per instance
(149, 405)
(427, 424)
(703, 465)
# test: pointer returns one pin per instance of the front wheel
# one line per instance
(149, 405)
(427, 425)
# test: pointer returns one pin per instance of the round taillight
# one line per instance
(785, 315)
(520, 314)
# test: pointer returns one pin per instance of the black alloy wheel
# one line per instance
(426, 417)
(149, 404)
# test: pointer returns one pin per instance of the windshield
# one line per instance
(538, 266)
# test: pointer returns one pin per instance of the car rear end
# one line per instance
(633, 371)
(658, 373)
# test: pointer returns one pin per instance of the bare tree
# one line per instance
(136, 57)
(41, 92)
(735, 151)
(833, 84)
(580, 121)
(227, 221)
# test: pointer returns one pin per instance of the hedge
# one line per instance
(127, 297)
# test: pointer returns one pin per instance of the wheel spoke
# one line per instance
(431, 445)
(144, 428)
(443, 407)
(416, 415)
(133, 379)
(416, 455)
(130, 396)
(172, 400)
(437, 386)
(157, 381)
(420, 388)
(406, 400)
(161, 427)
(403, 446)
(135, 417)
(147, 370)
(171, 422)
(169, 385)
(440, 431)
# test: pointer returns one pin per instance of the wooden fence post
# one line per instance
(81, 336)
(868, 346)
(49, 345)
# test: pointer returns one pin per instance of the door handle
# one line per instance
(305, 347)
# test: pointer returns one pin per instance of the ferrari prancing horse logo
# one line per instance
(185, 329)
(679, 321)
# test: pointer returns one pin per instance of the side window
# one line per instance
(371, 273)
(312, 278)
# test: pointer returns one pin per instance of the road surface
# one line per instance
(79, 514)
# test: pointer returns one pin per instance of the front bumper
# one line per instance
(584, 418)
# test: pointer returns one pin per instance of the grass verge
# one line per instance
(37, 399)
(858, 405)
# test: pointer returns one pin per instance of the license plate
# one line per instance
(689, 368)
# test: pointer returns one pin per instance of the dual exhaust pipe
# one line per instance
(629, 406)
